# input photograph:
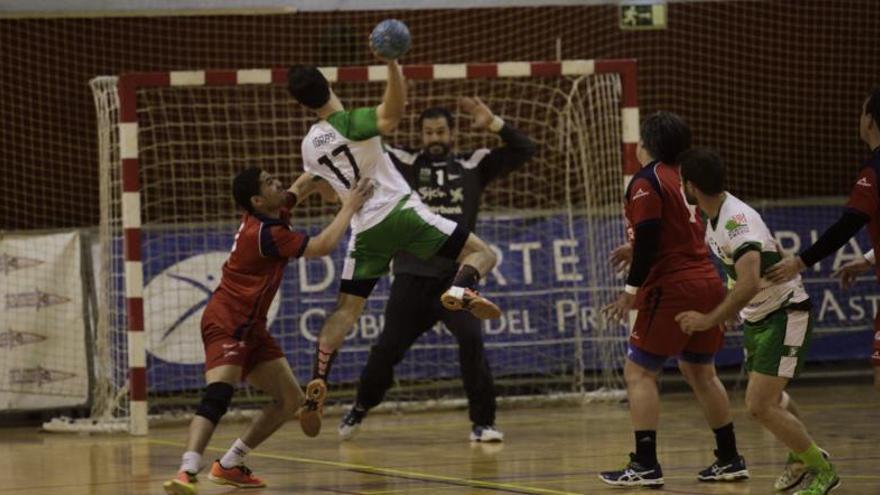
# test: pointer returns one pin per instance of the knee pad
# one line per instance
(215, 402)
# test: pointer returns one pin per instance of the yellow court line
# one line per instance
(388, 471)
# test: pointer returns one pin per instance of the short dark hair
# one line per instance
(872, 107)
(308, 86)
(665, 135)
(703, 168)
(246, 185)
(436, 113)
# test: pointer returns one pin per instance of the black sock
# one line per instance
(467, 276)
(726, 441)
(646, 447)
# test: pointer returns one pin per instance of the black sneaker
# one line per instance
(351, 422)
(732, 470)
(634, 474)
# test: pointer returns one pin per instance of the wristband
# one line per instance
(496, 124)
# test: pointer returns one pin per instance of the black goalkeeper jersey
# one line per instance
(452, 188)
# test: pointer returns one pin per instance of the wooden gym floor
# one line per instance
(548, 451)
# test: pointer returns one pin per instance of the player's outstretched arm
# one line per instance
(748, 284)
(307, 184)
(517, 150)
(390, 111)
(324, 243)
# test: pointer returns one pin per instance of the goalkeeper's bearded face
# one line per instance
(436, 137)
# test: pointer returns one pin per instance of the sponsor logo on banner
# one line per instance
(11, 338)
(36, 299)
(11, 263)
(37, 376)
(174, 302)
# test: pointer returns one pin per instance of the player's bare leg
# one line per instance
(221, 383)
(713, 399)
(477, 259)
(348, 309)
(276, 379)
(762, 402)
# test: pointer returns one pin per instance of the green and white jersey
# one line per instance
(347, 147)
(737, 230)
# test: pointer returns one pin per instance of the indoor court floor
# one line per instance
(549, 450)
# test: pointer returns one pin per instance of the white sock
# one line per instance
(235, 455)
(192, 462)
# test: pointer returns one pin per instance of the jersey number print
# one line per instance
(325, 160)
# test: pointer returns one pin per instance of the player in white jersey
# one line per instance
(344, 147)
(777, 323)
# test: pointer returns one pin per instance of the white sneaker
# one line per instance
(351, 423)
(486, 434)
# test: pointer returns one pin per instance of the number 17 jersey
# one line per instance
(347, 147)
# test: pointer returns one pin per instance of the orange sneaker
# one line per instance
(182, 484)
(313, 409)
(458, 298)
(238, 476)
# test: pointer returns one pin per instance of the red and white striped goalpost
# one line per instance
(129, 84)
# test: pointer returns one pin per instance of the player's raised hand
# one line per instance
(480, 112)
(621, 257)
(359, 195)
(850, 271)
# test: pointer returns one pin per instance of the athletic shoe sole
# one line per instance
(735, 476)
(658, 483)
(480, 307)
(310, 415)
(175, 487)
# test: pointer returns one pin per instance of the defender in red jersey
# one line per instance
(862, 208)
(234, 328)
(669, 271)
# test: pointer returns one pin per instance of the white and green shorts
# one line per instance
(777, 345)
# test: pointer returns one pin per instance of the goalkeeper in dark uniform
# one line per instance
(451, 185)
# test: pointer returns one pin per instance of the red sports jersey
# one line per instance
(865, 199)
(655, 194)
(252, 274)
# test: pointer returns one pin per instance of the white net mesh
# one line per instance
(548, 221)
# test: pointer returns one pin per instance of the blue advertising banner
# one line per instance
(546, 284)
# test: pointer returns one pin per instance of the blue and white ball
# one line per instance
(390, 39)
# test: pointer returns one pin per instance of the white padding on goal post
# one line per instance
(137, 353)
(514, 69)
(188, 78)
(128, 140)
(254, 76)
(377, 73)
(330, 73)
(131, 210)
(626, 179)
(450, 71)
(138, 415)
(630, 117)
(578, 67)
(134, 279)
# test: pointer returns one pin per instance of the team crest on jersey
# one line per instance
(736, 225)
(37, 376)
(11, 263)
(36, 299)
(11, 338)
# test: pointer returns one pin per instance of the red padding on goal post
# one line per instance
(221, 77)
(546, 69)
(131, 179)
(129, 84)
(482, 71)
(352, 74)
(138, 383)
(627, 70)
(134, 306)
(132, 243)
(425, 72)
(631, 163)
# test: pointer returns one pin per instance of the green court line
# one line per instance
(387, 471)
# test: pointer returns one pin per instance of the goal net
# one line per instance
(171, 142)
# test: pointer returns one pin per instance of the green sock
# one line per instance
(813, 459)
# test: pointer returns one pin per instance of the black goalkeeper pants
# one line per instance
(413, 308)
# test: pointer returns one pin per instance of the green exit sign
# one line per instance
(642, 16)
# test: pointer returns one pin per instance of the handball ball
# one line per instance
(390, 39)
